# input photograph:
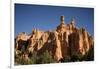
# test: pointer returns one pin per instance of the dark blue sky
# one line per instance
(28, 16)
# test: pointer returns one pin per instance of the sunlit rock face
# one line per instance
(63, 42)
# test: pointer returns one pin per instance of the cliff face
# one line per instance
(65, 41)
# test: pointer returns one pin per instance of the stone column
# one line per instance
(62, 19)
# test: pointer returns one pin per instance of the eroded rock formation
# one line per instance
(63, 42)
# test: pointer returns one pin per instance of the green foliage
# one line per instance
(21, 61)
(89, 56)
(66, 59)
(47, 57)
(33, 58)
(76, 57)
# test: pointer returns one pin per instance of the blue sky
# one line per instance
(28, 16)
